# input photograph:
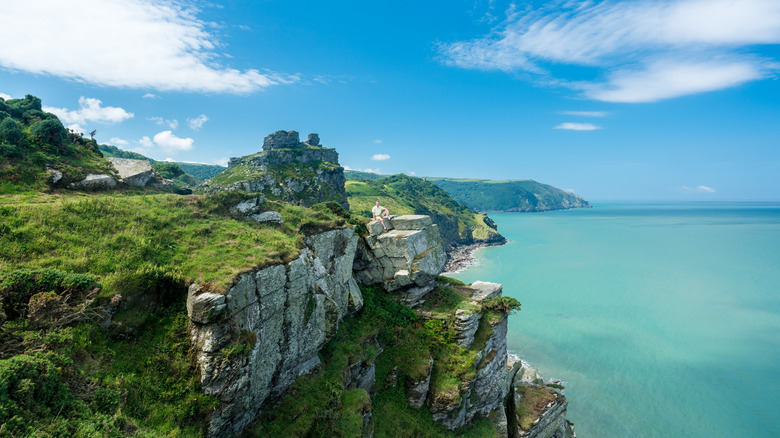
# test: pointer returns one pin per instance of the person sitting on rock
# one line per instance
(378, 214)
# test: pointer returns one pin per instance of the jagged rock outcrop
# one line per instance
(94, 182)
(252, 342)
(133, 172)
(533, 409)
(405, 259)
(486, 392)
(300, 172)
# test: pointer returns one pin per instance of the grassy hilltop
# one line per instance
(509, 195)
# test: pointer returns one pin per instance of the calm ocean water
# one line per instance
(663, 320)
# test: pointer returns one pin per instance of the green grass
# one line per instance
(121, 238)
(78, 381)
(532, 403)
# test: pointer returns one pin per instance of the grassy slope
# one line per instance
(23, 160)
(510, 195)
(403, 194)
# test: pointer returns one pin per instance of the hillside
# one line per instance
(403, 194)
(512, 195)
(35, 146)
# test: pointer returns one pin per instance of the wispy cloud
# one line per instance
(197, 123)
(378, 141)
(380, 157)
(699, 189)
(150, 96)
(585, 113)
(5, 96)
(572, 126)
(152, 44)
(173, 124)
(91, 110)
(646, 50)
(116, 141)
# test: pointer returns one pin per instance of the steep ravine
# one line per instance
(270, 327)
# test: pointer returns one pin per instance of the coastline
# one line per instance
(462, 256)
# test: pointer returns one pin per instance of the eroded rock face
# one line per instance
(405, 260)
(276, 319)
(281, 139)
(95, 182)
(133, 172)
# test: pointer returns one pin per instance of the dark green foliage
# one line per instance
(517, 195)
(163, 285)
(31, 387)
(501, 304)
(48, 131)
(29, 102)
(9, 151)
(201, 172)
(9, 132)
(113, 151)
(168, 170)
(354, 174)
(18, 286)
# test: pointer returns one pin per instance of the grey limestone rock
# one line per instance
(95, 182)
(404, 261)
(133, 172)
(271, 216)
(55, 174)
(417, 390)
(290, 310)
(313, 140)
(281, 139)
(466, 324)
(484, 290)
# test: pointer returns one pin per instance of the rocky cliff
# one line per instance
(252, 342)
(304, 173)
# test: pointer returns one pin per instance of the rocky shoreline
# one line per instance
(462, 256)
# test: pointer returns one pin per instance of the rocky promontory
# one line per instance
(304, 173)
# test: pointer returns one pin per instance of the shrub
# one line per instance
(9, 151)
(49, 131)
(501, 304)
(31, 386)
(168, 170)
(9, 131)
(17, 287)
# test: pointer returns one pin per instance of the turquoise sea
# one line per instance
(663, 320)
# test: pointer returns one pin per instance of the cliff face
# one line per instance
(298, 172)
(254, 341)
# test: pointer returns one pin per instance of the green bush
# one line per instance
(9, 151)
(49, 131)
(9, 132)
(168, 170)
(17, 287)
(501, 304)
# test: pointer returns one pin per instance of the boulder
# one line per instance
(273, 217)
(313, 140)
(95, 182)
(133, 172)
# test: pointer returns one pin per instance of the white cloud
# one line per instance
(346, 167)
(116, 141)
(221, 161)
(705, 189)
(586, 113)
(168, 142)
(150, 96)
(173, 124)
(370, 170)
(380, 157)
(75, 127)
(146, 142)
(412, 173)
(378, 141)
(152, 44)
(647, 50)
(571, 126)
(91, 110)
(5, 96)
(197, 122)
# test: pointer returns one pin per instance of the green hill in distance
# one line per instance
(509, 195)
(402, 194)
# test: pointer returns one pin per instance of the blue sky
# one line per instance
(630, 100)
